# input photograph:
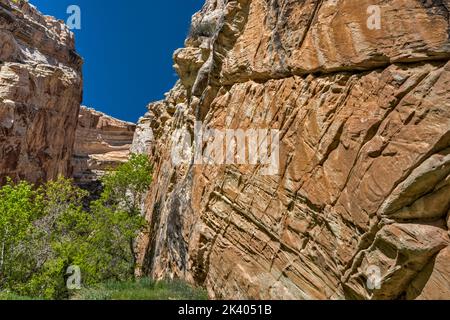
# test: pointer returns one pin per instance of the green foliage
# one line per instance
(117, 217)
(6, 296)
(45, 230)
(127, 184)
(143, 289)
(20, 205)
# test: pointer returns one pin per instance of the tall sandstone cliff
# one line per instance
(363, 185)
(40, 93)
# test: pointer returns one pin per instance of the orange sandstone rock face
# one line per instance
(40, 94)
(359, 207)
(101, 143)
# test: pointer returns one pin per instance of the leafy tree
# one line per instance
(60, 237)
(45, 230)
(119, 205)
(20, 205)
(127, 184)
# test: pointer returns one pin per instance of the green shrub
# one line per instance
(20, 206)
(142, 289)
(6, 296)
(45, 230)
(128, 183)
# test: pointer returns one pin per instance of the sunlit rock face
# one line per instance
(101, 143)
(40, 94)
(360, 205)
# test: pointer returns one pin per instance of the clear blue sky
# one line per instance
(127, 48)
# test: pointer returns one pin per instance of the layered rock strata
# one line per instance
(359, 206)
(101, 143)
(40, 94)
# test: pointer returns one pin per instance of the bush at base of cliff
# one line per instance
(45, 230)
(142, 289)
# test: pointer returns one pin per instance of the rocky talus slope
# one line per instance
(363, 185)
(40, 93)
(101, 143)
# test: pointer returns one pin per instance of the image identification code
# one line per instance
(226, 309)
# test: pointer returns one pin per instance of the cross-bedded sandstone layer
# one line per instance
(364, 179)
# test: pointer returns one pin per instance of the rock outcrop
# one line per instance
(101, 143)
(359, 206)
(40, 93)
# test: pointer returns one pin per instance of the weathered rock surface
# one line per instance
(363, 186)
(40, 94)
(101, 143)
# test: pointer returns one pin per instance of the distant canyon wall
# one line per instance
(40, 94)
(43, 131)
(101, 143)
(360, 205)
